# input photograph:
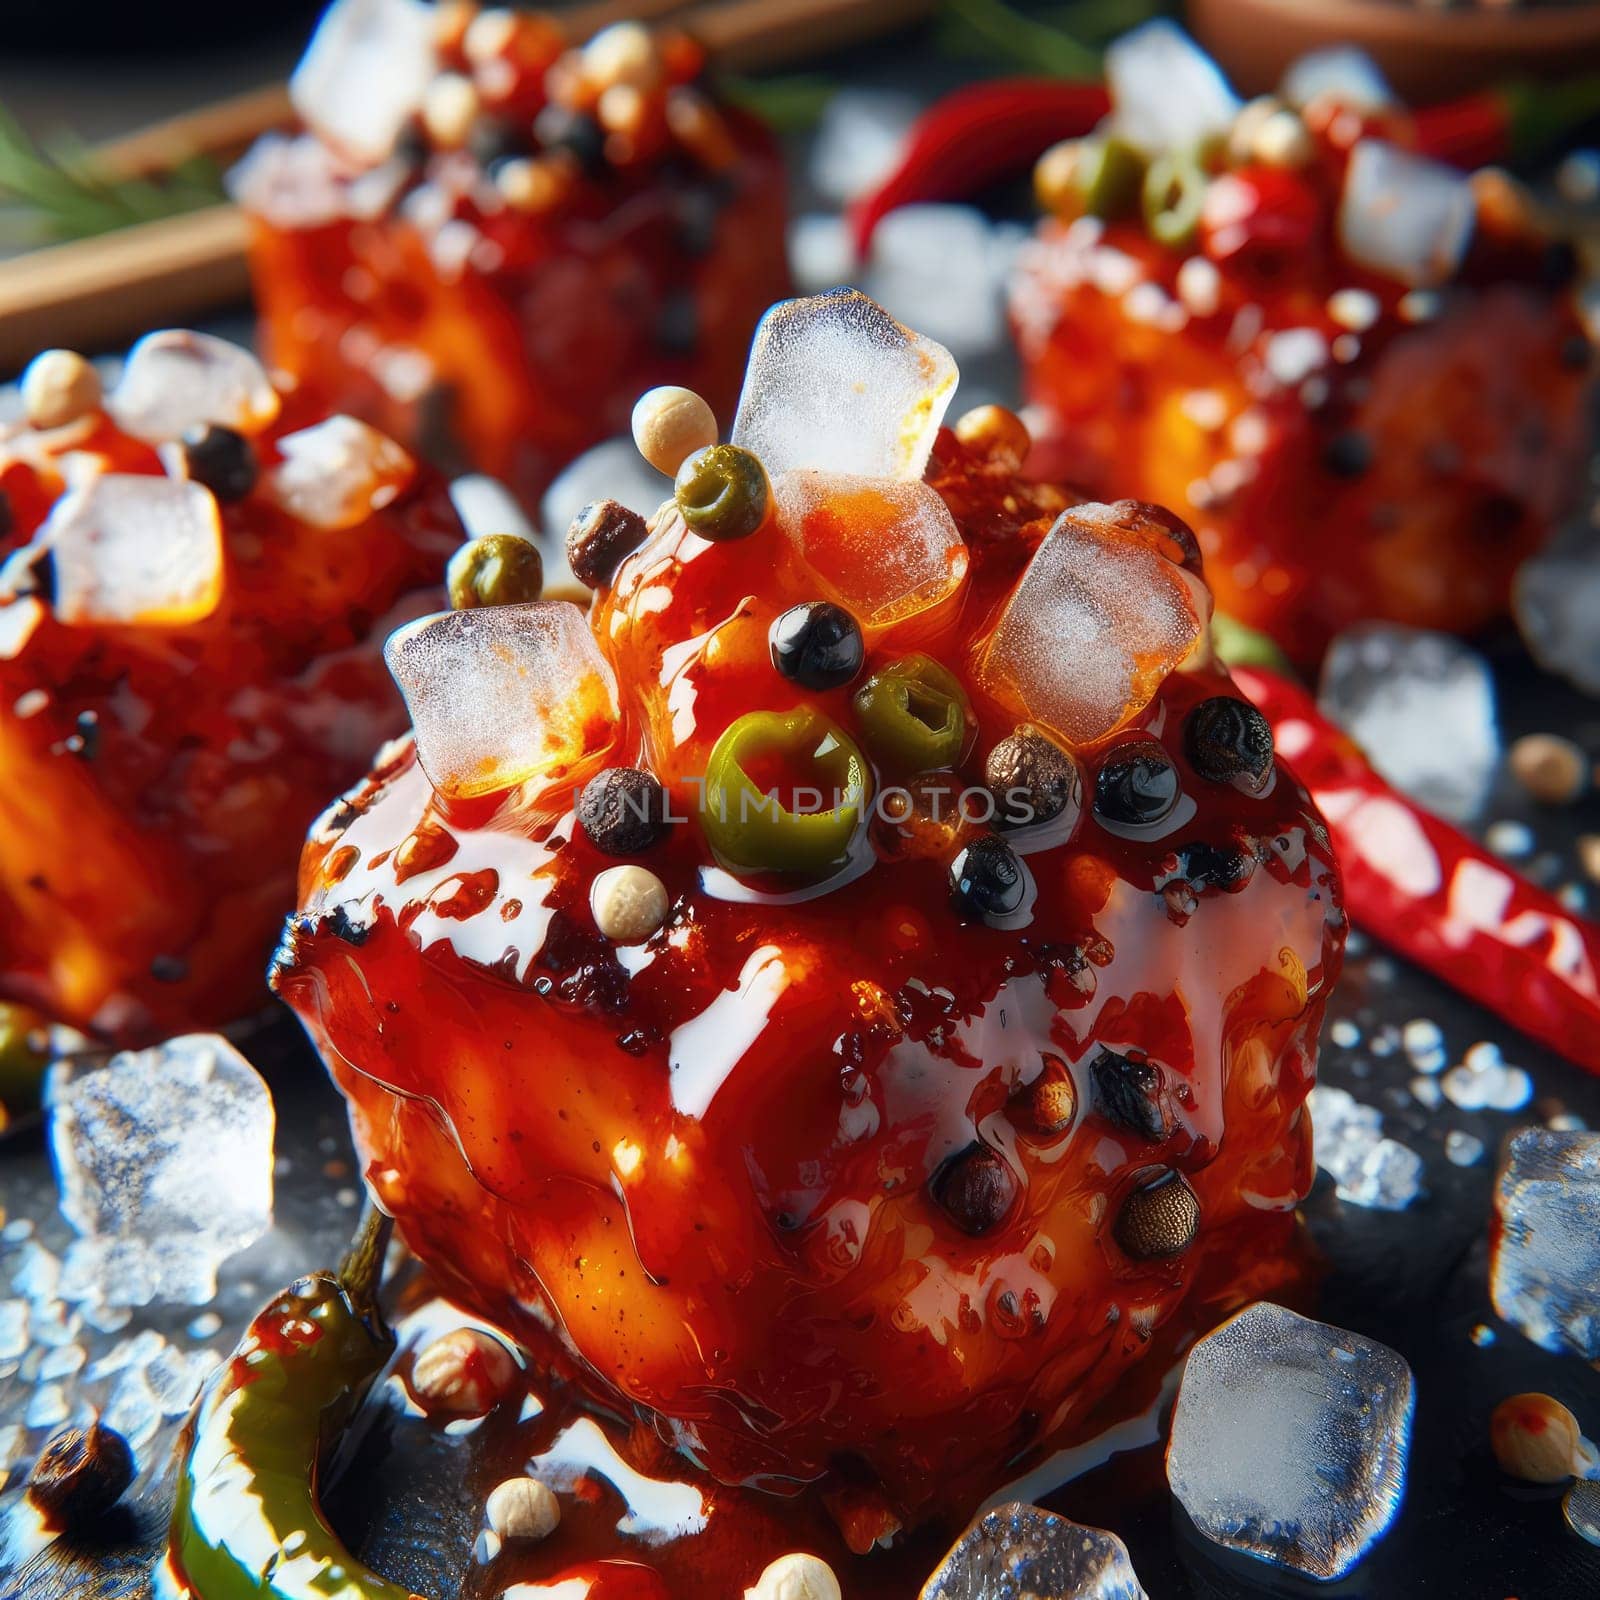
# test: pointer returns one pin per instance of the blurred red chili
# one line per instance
(1435, 895)
(975, 137)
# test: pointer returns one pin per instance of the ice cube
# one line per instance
(1018, 1552)
(164, 1162)
(1546, 1274)
(130, 548)
(176, 380)
(858, 141)
(13, 1329)
(938, 268)
(1094, 625)
(1345, 72)
(612, 470)
(1166, 92)
(338, 472)
(835, 384)
(1422, 706)
(365, 72)
(1369, 1169)
(1557, 599)
(1403, 215)
(885, 550)
(1290, 1440)
(503, 694)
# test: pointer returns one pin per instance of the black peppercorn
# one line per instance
(1127, 1091)
(602, 536)
(1137, 786)
(1033, 780)
(987, 879)
(1226, 738)
(578, 135)
(623, 811)
(817, 645)
(80, 1474)
(495, 139)
(1159, 1219)
(222, 459)
(1347, 455)
(976, 1189)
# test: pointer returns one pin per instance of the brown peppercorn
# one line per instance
(976, 1189)
(999, 434)
(1050, 1102)
(1033, 780)
(1127, 1092)
(80, 1474)
(1552, 769)
(623, 811)
(1159, 1219)
(1537, 1439)
(601, 537)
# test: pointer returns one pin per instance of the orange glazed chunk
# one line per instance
(488, 243)
(1359, 374)
(879, 1140)
(199, 574)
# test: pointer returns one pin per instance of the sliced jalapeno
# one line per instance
(915, 716)
(1109, 176)
(1174, 192)
(723, 492)
(769, 757)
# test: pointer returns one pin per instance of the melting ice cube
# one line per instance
(1369, 1169)
(503, 694)
(1092, 628)
(365, 72)
(164, 1162)
(135, 549)
(1349, 74)
(1546, 1274)
(1166, 92)
(1018, 1550)
(837, 385)
(176, 380)
(1290, 1439)
(338, 472)
(1557, 598)
(885, 550)
(1403, 215)
(1422, 706)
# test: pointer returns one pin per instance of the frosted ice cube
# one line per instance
(13, 1329)
(858, 141)
(1422, 706)
(1369, 1169)
(1546, 1274)
(1290, 1440)
(1341, 70)
(1018, 1551)
(835, 384)
(1557, 599)
(1403, 215)
(612, 470)
(1092, 628)
(885, 550)
(175, 380)
(503, 694)
(1166, 92)
(338, 472)
(365, 72)
(130, 548)
(164, 1162)
(937, 268)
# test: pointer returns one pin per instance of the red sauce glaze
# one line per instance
(159, 779)
(711, 1165)
(1404, 474)
(510, 337)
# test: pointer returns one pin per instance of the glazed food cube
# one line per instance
(193, 603)
(954, 1015)
(487, 241)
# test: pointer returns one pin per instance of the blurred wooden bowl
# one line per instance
(1428, 53)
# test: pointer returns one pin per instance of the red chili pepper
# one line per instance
(1433, 894)
(1514, 122)
(1263, 218)
(975, 137)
